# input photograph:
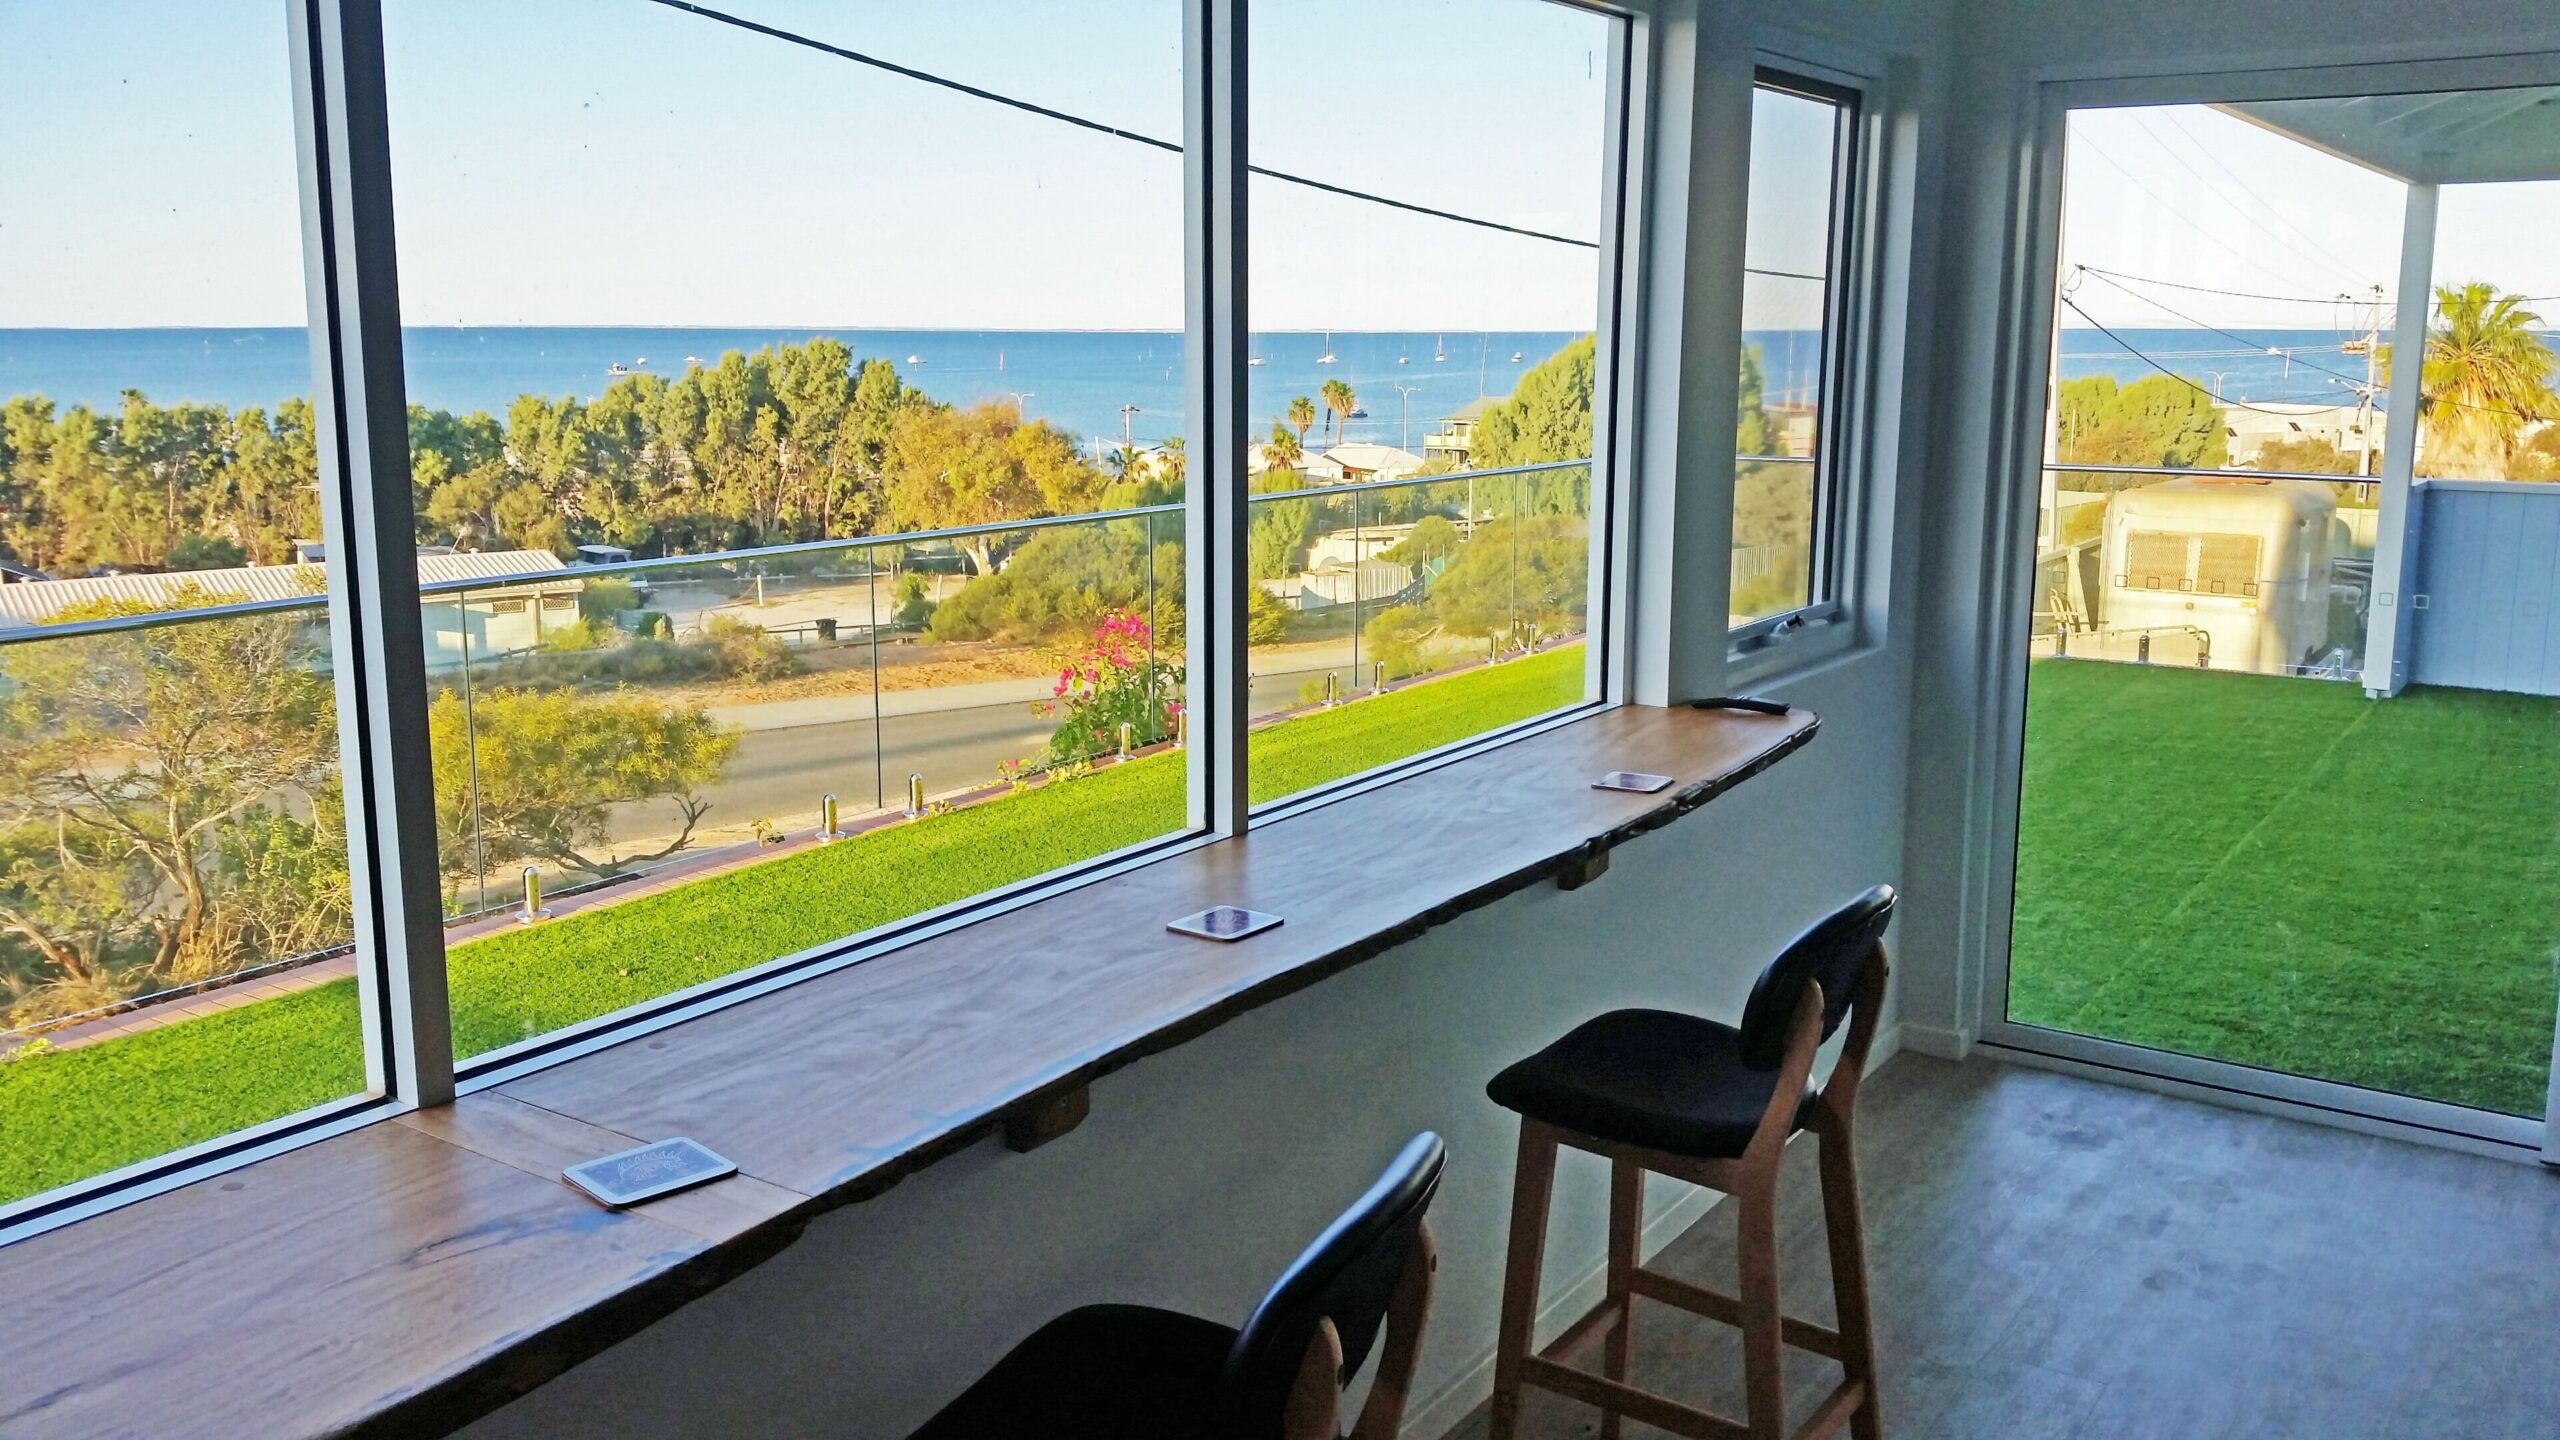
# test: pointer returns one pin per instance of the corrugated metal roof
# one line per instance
(36, 601)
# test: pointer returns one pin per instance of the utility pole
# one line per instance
(2371, 345)
(1125, 412)
(1406, 391)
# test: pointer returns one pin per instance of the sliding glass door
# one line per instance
(2289, 793)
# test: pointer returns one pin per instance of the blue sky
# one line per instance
(615, 161)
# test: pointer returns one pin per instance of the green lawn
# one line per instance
(79, 1112)
(2285, 874)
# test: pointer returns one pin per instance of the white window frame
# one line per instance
(1995, 742)
(1844, 459)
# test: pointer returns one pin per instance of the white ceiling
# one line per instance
(2456, 137)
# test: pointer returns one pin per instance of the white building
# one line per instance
(503, 619)
(1360, 460)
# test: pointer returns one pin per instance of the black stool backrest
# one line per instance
(1346, 1276)
(1830, 954)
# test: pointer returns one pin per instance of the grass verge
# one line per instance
(76, 1113)
(2286, 874)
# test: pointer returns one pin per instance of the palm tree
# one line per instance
(1283, 451)
(1302, 413)
(2487, 377)
(1339, 402)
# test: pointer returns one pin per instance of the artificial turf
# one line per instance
(75, 1113)
(2286, 874)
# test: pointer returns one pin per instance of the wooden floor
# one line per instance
(2063, 1259)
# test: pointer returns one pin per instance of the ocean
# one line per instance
(1078, 380)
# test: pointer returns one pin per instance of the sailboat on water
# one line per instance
(1327, 358)
(1440, 351)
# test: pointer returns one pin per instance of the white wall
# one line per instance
(1962, 741)
(1202, 1171)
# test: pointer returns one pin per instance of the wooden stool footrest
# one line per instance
(1603, 1316)
(1834, 1411)
(1639, 1405)
(1698, 1300)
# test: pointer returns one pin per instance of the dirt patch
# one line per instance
(846, 670)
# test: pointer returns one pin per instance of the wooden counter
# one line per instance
(408, 1277)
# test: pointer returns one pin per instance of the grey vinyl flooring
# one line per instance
(2065, 1259)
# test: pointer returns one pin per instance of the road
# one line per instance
(779, 772)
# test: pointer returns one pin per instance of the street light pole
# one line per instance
(1406, 391)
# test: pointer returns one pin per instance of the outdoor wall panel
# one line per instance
(2488, 581)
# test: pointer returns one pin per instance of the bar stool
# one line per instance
(1132, 1372)
(1651, 1090)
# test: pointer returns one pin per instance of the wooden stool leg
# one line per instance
(1848, 1233)
(1763, 1348)
(1532, 1188)
(1626, 1235)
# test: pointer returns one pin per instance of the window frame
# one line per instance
(1819, 626)
(360, 400)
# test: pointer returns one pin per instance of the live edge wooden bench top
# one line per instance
(407, 1277)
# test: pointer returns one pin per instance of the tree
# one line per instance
(1546, 417)
(1065, 579)
(1283, 451)
(1433, 538)
(124, 757)
(533, 774)
(981, 466)
(1515, 579)
(1278, 531)
(2158, 420)
(2310, 455)
(1302, 414)
(1339, 402)
(2485, 381)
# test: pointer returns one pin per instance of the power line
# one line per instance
(2245, 191)
(1029, 107)
(2165, 309)
(2162, 201)
(2129, 348)
(2231, 294)
(2145, 358)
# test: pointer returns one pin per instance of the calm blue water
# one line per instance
(1078, 380)
(2307, 367)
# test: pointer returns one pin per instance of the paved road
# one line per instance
(780, 771)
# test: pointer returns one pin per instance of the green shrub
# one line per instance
(1118, 678)
(607, 596)
(652, 625)
(581, 634)
(1266, 619)
(914, 609)
(740, 650)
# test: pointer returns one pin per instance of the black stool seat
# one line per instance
(1105, 1372)
(1654, 1078)
(1133, 1372)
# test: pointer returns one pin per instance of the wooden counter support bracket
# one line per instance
(1583, 868)
(1044, 1118)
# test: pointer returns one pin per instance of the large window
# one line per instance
(533, 519)
(1788, 478)
(177, 958)
(1426, 353)
(684, 320)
